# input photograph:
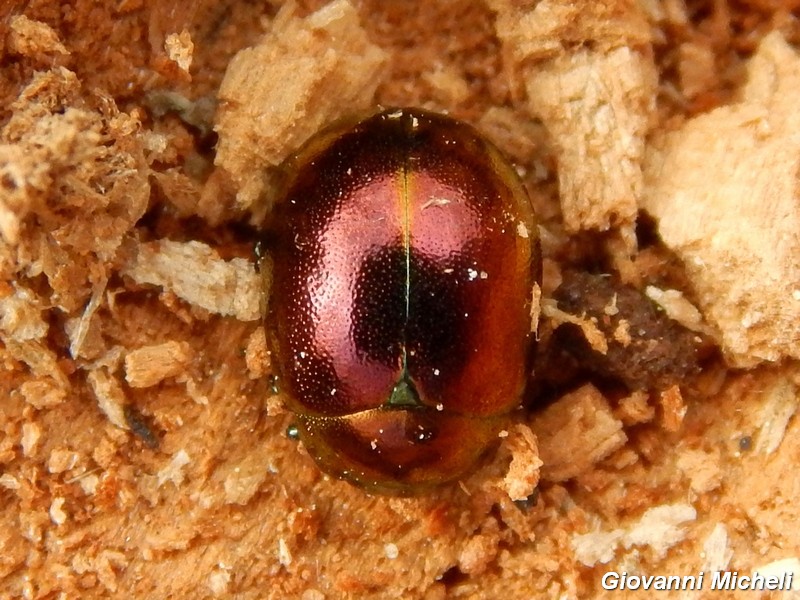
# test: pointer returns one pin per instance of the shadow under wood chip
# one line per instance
(645, 348)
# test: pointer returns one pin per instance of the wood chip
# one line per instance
(781, 400)
(256, 355)
(716, 550)
(43, 393)
(596, 97)
(197, 274)
(110, 396)
(179, 47)
(658, 529)
(575, 433)
(33, 38)
(173, 471)
(150, 365)
(677, 308)
(635, 409)
(523, 472)
(753, 151)
(327, 67)
(673, 408)
(702, 468)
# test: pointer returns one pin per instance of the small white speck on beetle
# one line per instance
(440, 407)
(484, 275)
(391, 551)
(522, 231)
(473, 274)
(374, 444)
(436, 202)
(436, 371)
(503, 434)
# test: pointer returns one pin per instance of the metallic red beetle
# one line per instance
(403, 261)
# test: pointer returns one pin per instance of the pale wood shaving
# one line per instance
(597, 107)
(179, 47)
(197, 274)
(536, 307)
(635, 408)
(102, 565)
(596, 96)
(738, 232)
(40, 359)
(61, 459)
(677, 308)
(284, 554)
(31, 435)
(780, 404)
(327, 67)
(622, 333)
(195, 393)
(523, 472)
(447, 85)
(21, 316)
(218, 582)
(88, 483)
(32, 38)
(478, 553)
(149, 365)
(588, 326)
(596, 547)
(622, 458)
(256, 354)
(717, 552)
(57, 514)
(673, 408)
(535, 31)
(80, 328)
(42, 393)
(110, 396)
(111, 359)
(658, 529)
(275, 406)
(575, 433)
(702, 468)
(173, 471)
(9, 482)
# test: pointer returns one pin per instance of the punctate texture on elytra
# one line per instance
(403, 255)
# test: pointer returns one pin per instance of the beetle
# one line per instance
(403, 263)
